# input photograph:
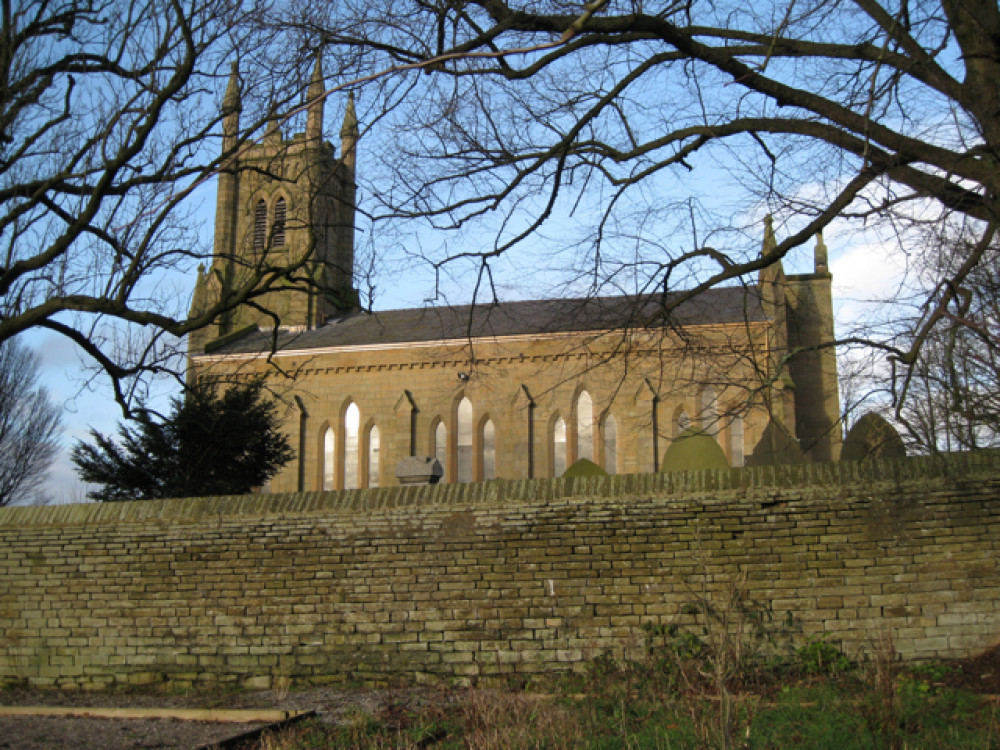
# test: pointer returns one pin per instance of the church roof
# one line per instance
(531, 317)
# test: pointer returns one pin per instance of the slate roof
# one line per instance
(424, 324)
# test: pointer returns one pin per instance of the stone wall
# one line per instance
(499, 580)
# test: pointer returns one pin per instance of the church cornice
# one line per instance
(471, 344)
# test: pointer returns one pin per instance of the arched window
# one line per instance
(681, 423)
(610, 435)
(736, 440)
(278, 231)
(559, 448)
(329, 454)
(489, 450)
(352, 421)
(585, 427)
(464, 441)
(441, 447)
(373, 456)
(259, 225)
(709, 412)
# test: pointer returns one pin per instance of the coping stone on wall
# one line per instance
(511, 491)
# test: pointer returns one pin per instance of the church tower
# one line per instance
(813, 367)
(284, 210)
(802, 361)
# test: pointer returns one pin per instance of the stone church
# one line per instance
(516, 389)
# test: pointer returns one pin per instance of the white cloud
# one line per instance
(867, 278)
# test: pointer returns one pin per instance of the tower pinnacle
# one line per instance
(349, 129)
(821, 264)
(770, 243)
(231, 105)
(349, 134)
(315, 99)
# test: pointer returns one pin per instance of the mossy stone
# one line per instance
(585, 468)
(694, 450)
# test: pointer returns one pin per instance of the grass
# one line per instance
(632, 708)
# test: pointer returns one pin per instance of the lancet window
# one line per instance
(329, 456)
(464, 464)
(374, 447)
(610, 435)
(559, 447)
(585, 426)
(489, 450)
(352, 420)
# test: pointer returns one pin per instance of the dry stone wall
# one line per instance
(496, 581)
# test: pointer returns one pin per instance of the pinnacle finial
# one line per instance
(316, 85)
(315, 99)
(349, 129)
(231, 105)
(231, 100)
(820, 261)
(273, 127)
(770, 243)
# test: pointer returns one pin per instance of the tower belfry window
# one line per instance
(259, 225)
(278, 231)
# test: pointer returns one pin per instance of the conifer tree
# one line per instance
(208, 445)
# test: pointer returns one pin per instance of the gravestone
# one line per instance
(694, 450)
(419, 470)
(872, 437)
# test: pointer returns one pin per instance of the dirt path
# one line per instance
(51, 733)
